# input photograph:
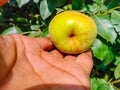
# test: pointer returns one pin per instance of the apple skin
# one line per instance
(72, 32)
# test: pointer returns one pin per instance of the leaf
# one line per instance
(99, 2)
(100, 84)
(97, 7)
(105, 86)
(46, 8)
(45, 33)
(117, 59)
(94, 84)
(115, 18)
(93, 8)
(117, 71)
(35, 27)
(34, 34)
(20, 19)
(105, 28)
(36, 1)
(102, 52)
(112, 3)
(109, 57)
(59, 10)
(59, 3)
(99, 49)
(77, 4)
(22, 2)
(12, 30)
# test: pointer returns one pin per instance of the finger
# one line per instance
(50, 58)
(57, 53)
(45, 43)
(85, 60)
(70, 57)
(7, 58)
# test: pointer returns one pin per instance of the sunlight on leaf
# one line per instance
(117, 59)
(22, 2)
(94, 84)
(100, 84)
(46, 8)
(12, 30)
(36, 1)
(35, 27)
(34, 34)
(105, 28)
(102, 52)
(115, 18)
(99, 49)
(117, 71)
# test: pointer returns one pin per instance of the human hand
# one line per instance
(32, 64)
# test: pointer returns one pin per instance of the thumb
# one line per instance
(86, 61)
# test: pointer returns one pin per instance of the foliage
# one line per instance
(32, 17)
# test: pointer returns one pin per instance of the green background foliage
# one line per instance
(32, 17)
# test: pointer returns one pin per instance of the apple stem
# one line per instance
(71, 35)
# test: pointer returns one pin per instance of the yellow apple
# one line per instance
(72, 32)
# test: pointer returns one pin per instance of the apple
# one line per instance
(72, 32)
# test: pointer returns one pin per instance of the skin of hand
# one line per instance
(28, 63)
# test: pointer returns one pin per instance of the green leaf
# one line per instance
(77, 4)
(46, 8)
(100, 84)
(109, 57)
(59, 10)
(102, 52)
(99, 49)
(67, 7)
(45, 33)
(34, 34)
(117, 59)
(94, 84)
(20, 19)
(97, 7)
(115, 18)
(93, 8)
(105, 86)
(105, 27)
(36, 1)
(117, 71)
(12, 30)
(22, 2)
(112, 3)
(59, 3)
(35, 27)
(99, 2)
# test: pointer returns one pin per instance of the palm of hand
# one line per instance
(34, 68)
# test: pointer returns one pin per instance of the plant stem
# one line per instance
(110, 80)
(115, 82)
(116, 88)
(110, 10)
(26, 32)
